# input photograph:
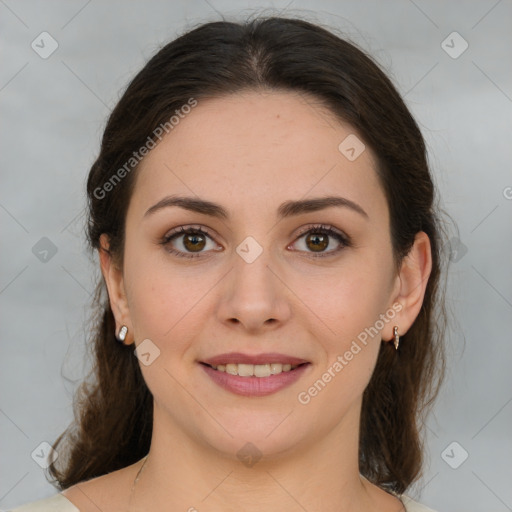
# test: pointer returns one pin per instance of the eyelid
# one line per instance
(312, 227)
(185, 228)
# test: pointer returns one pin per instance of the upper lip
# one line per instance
(238, 357)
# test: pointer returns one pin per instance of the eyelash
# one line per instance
(317, 229)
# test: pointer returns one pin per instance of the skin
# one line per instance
(192, 309)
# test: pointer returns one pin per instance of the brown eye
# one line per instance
(193, 242)
(318, 238)
(319, 242)
(187, 242)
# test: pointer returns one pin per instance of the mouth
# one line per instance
(255, 380)
(254, 375)
(255, 370)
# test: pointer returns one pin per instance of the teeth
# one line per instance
(254, 370)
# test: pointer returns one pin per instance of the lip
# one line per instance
(238, 357)
(255, 386)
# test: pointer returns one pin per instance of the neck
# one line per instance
(181, 473)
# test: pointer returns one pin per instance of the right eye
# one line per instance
(191, 242)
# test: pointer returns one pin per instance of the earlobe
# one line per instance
(115, 285)
(413, 278)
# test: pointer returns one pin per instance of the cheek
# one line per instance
(349, 300)
(162, 300)
(349, 308)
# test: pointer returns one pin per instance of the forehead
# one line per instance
(248, 149)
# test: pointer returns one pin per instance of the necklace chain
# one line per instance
(145, 459)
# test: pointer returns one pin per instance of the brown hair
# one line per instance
(113, 407)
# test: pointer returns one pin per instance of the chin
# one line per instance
(256, 439)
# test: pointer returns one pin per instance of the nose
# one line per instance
(254, 296)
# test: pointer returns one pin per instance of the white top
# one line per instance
(56, 503)
(59, 503)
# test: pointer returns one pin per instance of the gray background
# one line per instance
(53, 111)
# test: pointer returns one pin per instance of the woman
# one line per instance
(263, 213)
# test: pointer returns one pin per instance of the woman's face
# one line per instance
(262, 279)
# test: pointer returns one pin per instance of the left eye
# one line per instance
(194, 240)
(317, 239)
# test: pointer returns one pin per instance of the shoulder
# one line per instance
(414, 506)
(106, 492)
(56, 503)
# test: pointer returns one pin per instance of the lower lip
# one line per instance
(255, 386)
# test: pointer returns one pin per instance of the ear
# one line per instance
(411, 284)
(114, 280)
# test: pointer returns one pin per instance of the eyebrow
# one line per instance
(286, 209)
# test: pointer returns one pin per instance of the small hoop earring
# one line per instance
(397, 337)
(121, 336)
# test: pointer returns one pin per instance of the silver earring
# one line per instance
(121, 336)
(397, 337)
